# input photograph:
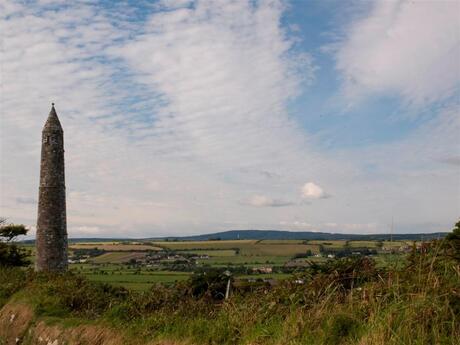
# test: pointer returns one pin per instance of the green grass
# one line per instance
(281, 242)
(329, 244)
(115, 246)
(245, 260)
(363, 244)
(265, 276)
(246, 247)
(413, 300)
(92, 266)
(133, 286)
(216, 252)
(141, 281)
(190, 245)
(390, 260)
(286, 249)
(117, 257)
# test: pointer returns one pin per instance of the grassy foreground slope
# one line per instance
(343, 301)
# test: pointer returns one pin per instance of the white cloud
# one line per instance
(411, 48)
(311, 190)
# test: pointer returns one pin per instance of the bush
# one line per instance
(340, 328)
(211, 283)
(10, 253)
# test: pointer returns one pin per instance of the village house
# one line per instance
(265, 269)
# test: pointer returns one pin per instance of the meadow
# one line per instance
(390, 298)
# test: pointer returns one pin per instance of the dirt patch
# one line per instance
(18, 326)
(15, 319)
(168, 342)
(43, 334)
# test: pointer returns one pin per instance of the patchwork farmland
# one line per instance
(138, 265)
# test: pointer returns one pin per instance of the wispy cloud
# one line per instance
(154, 114)
(265, 201)
(172, 119)
(407, 48)
(225, 73)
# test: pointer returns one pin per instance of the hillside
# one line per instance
(270, 235)
(348, 301)
(302, 235)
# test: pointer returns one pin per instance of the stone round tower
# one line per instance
(51, 239)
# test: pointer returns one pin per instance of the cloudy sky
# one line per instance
(185, 117)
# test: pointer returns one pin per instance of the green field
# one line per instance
(245, 260)
(216, 252)
(331, 244)
(118, 257)
(278, 249)
(190, 245)
(266, 276)
(246, 247)
(115, 246)
(281, 242)
(134, 279)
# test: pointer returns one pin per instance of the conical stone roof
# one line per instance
(52, 123)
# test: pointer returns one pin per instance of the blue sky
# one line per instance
(185, 117)
(376, 120)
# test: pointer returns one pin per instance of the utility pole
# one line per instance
(227, 291)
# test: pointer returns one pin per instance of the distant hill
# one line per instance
(270, 235)
(299, 235)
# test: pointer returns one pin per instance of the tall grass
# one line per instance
(344, 301)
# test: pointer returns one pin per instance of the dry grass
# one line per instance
(114, 247)
(117, 257)
(205, 244)
(277, 249)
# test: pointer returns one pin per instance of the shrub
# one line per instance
(10, 253)
(340, 328)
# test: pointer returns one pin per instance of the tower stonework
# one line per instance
(51, 239)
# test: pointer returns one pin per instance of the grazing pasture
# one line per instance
(247, 260)
(136, 281)
(329, 244)
(278, 249)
